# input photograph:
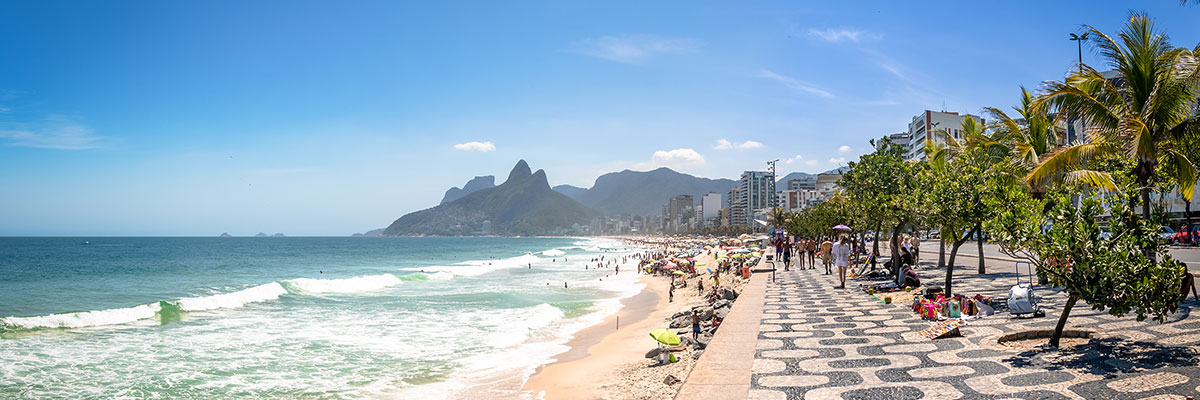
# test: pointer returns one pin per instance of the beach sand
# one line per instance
(607, 362)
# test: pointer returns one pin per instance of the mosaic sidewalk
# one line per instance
(818, 342)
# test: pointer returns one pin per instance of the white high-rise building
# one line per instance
(924, 124)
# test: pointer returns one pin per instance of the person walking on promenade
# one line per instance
(787, 255)
(827, 255)
(841, 257)
(812, 254)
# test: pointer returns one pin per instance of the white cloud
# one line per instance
(476, 146)
(723, 144)
(687, 156)
(844, 149)
(793, 160)
(676, 159)
(55, 133)
(837, 160)
(794, 84)
(840, 34)
(632, 49)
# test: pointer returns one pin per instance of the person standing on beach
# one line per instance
(841, 257)
(827, 255)
(915, 243)
(812, 254)
(695, 324)
(671, 293)
(787, 255)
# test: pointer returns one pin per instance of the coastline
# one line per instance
(607, 361)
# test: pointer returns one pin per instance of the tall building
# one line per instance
(925, 124)
(806, 183)
(903, 139)
(710, 207)
(736, 215)
(679, 213)
(757, 193)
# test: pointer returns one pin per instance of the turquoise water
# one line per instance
(294, 317)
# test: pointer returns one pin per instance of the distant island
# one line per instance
(225, 235)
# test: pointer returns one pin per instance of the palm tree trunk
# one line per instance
(1062, 321)
(979, 230)
(1187, 221)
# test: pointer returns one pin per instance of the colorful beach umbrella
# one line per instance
(665, 336)
(842, 228)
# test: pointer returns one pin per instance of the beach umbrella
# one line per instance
(842, 228)
(665, 336)
(680, 273)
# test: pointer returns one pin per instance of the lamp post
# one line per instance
(1078, 39)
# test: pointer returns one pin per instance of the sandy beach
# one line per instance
(607, 361)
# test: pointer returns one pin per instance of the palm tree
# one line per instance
(1032, 135)
(1144, 113)
(779, 217)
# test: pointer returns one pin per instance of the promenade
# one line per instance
(818, 342)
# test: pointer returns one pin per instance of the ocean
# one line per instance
(296, 317)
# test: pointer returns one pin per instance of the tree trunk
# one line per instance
(950, 268)
(1062, 321)
(875, 259)
(1146, 217)
(942, 250)
(979, 231)
(1187, 222)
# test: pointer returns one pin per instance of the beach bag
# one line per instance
(953, 310)
(1020, 300)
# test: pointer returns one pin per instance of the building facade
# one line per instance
(924, 125)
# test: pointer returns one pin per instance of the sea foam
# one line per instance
(356, 284)
(84, 319)
(264, 292)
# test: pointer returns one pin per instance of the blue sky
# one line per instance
(327, 118)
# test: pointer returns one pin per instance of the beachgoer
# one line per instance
(841, 257)
(827, 255)
(617, 269)
(700, 287)
(812, 254)
(787, 255)
(671, 293)
(916, 249)
(910, 278)
(695, 324)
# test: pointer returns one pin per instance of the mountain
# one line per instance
(226, 235)
(573, 192)
(260, 234)
(644, 192)
(472, 186)
(370, 233)
(523, 205)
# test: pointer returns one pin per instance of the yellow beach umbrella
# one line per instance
(665, 337)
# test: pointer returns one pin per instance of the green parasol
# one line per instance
(665, 337)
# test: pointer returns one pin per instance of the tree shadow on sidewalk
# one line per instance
(1108, 357)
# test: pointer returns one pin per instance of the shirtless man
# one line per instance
(827, 255)
(812, 254)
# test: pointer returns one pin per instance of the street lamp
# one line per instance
(1078, 39)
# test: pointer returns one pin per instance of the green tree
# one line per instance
(1030, 136)
(982, 150)
(887, 185)
(954, 197)
(1144, 112)
(1109, 273)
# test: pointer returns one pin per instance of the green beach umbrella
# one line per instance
(665, 337)
(680, 273)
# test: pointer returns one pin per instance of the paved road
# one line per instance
(929, 248)
(817, 342)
